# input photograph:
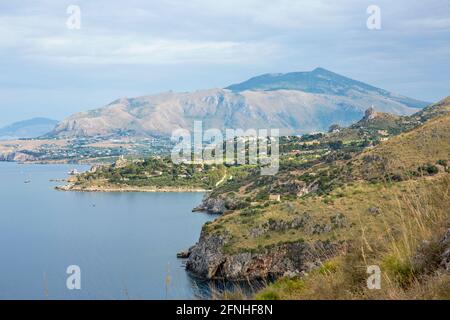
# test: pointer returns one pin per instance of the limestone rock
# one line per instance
(207, 259)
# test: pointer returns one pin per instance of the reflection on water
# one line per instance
(204, 289)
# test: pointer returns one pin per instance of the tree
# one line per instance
(336, 145)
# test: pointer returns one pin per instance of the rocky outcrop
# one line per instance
(16, 157)
(445, 262)
(445, 256)
(208, 260)
(434, 255)
(211, 205)
(220, 204)
(370, 114)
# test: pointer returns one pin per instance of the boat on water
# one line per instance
(27, 181)
(73, 172)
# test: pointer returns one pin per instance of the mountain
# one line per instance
(295, 103)
(319, 81)
(31, 128)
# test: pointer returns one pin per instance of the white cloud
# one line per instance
(434, 24)
(221, 41)
(123, 50)
(44, 38)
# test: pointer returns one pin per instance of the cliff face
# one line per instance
(208, 260)
(16, 157)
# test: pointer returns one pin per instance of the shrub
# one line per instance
(336, 145)
(268, 295)
(442, 163)
(249, 212)
(429, 169)
(400, 271)
(327, 267)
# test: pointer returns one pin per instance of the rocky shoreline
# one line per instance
(211, 205)
(219, 204)
(207, 259)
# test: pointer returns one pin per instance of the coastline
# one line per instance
(110, 188)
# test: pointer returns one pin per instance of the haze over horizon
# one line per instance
(147, 47)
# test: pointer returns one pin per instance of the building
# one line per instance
(275, 197)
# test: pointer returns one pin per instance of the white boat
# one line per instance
(73, 172)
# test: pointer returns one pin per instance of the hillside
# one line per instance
(338, 214)
(292, 107)
(375, 193)
(31, 128)
(404, 155)
(380, 147)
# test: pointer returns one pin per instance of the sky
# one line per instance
(140, 47)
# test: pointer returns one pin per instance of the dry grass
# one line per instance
(407, 249)
(406, 152)
(354, 201)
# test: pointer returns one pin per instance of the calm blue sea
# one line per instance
(124, 243)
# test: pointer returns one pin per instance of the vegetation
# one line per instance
(405, 242)
(157, 172)
(386, 199)
(380, 188)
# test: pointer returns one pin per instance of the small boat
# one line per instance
(27, 181)
(73, 172)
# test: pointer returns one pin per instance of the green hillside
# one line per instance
(375, 193)
(386, 205)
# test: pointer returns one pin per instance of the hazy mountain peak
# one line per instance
(30, 128)
(321, 70)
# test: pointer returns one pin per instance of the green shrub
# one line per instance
(268, 295)
(327, 268)
(429, 169)
(442, 163)
(249, 212)
(400, 271)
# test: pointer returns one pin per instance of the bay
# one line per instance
(124, 243)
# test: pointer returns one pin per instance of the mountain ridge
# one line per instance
(319, 80)
(29, 128)
(292, 109)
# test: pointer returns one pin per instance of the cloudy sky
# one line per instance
(141, 47)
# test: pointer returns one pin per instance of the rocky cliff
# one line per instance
(208, 260)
